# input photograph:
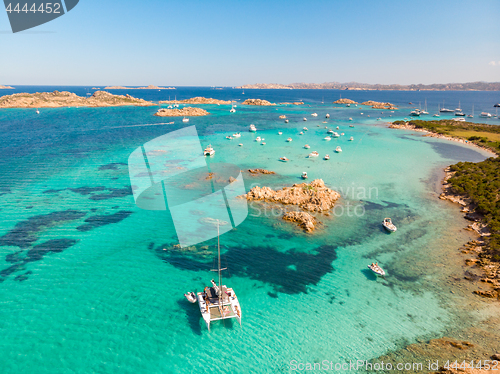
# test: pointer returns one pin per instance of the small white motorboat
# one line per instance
(304, 175)
(280, 133)
(37, 111)
(330, 132)
(348, 105)
(252, 128)
(258, 139)
(191, 297)
(232, 110)
(336, 135)
(342, 134)
(485, 115)
(229, 137)
(241, 144)
(209, 151)
(389, 225)
(185, 119)
(376, 269)
(337, 128)
(301, 133)
(286, 121)
(313, 154)
(289, 139)
(327, 157)
(327, 115)
(351, 125)
(307, 146)
(305, 129)
(350, 119)
(314, 114)
(305, 119)
(263, 143)
(351, 139)
(236, 135)
(284, 159)
(338, 149)
(327, 138)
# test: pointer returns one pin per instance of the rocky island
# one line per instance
(257, 102)
(377, 105)
(312, 197)
(184, 112)
(196, 100)
(345, 101)
(6, 87)
(62, 99)
(150, 87)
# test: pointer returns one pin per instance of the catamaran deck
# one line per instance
(216, 315)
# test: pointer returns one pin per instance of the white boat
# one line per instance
(217, 302)
(351, 125)
(330, 131)
(191, 297)
(305, 129)
(338, 149)
(327, 115)
(313, 154)
(289, 139)
(185, 119)
(327, 138)
(314, 114)
(37, 111)
(301, 133)
(425, 109)
(444, 110)
(337, 128)
(485, 115)
(169, 107)
(286, 121)
(415, 113)
(351, 139)
(342, 134)
(389, 225)
(229, 137)
(307, 146)
(241, 145)
(305, 119)
(237, 135)
(280, 133)
(348, 105)
(209, 151)
(258, 139)
(327, 157)
(263, 143)
(252, 128)
(461, 119)
(471, 115)
(336, 135)
(304, 175)
(232, 110)
(376, 269)
(284, 159)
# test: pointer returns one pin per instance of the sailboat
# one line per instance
(232, 108)
(218, 302)
(425, 108)
(471, 115)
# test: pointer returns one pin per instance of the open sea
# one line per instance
(87, 287)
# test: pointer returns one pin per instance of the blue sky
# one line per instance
(204, 43)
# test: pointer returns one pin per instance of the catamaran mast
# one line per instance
(218, 267)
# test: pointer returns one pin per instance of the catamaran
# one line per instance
(218, 302)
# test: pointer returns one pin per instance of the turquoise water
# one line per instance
(86, 285)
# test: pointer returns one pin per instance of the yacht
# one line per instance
(496, 106)
(217, 302)
(284, 159)
(389, 225)
(304, 175)
(471, 115)
(485, 115)
(252, 128)
(237, 135)
(336, 135)
(330, 131)
(209, 151)
(327, 138)
(307, 146)
(327, 157)
(313, 154)
(314, 114)
(289, 140)
(415, 113)
(444, 110)
(338, 149)
(376, 269)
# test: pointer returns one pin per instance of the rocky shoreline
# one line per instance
(6, 87)
(62, 99)
(314, 197)
(257, 102)
(184, 112)
(196, 100)
(150, 87)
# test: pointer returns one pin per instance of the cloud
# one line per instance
(494, 63)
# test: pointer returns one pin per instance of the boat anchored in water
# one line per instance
(327, 115)
(314, 114)
(389, 225)
(338, 149)
(209, 151)
(284, 159)
(218, 302)
(237, 135)
(307, 146)
(313, 154)
(376, 269)
(191, 297)
(327, 138)
(289, 139)
(252, 128)
(304, 175)
(327, 157)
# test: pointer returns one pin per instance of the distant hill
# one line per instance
(471, 86)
